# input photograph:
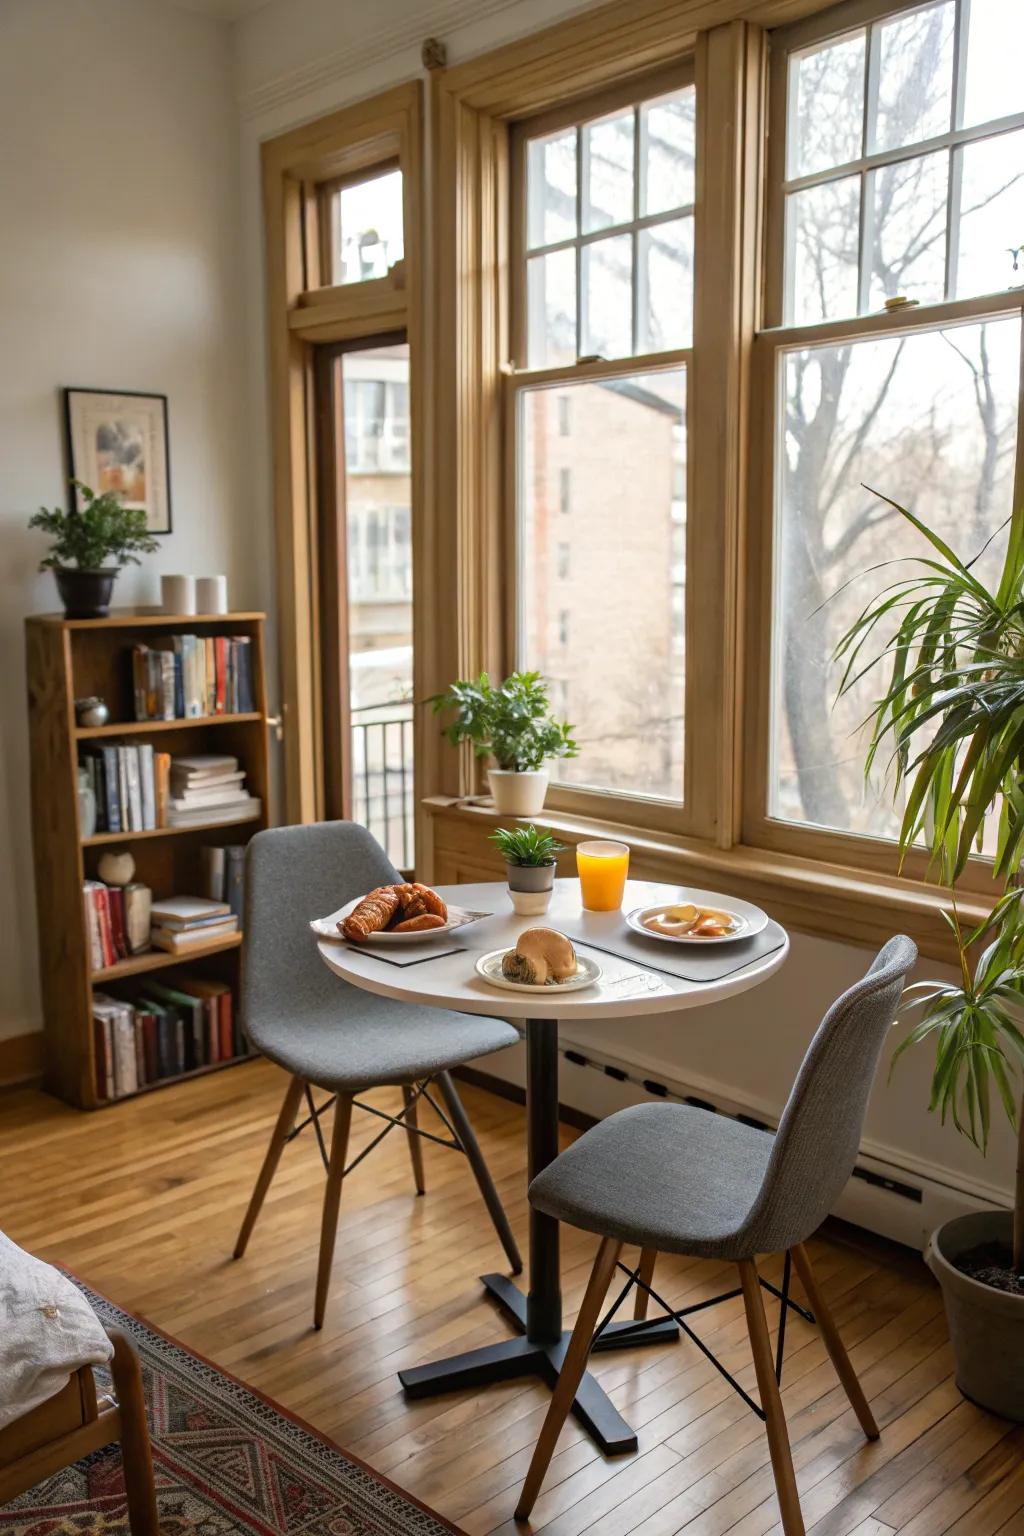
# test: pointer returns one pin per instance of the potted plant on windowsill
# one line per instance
(91, 545)
(529, 856)
(511, 723)
(952, 711)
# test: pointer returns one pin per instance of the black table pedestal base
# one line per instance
(524, 1357)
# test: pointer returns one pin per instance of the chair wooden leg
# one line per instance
(571, 1374)
(415, 1143)
(648, 1259)
(136, 1454)
(481, 1172)
(833, 1343)
(332, 1200)
(285, 1122)
(771, 1402)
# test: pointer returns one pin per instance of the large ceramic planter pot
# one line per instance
(85, 594)
(530, 887)
(518, 794)
(986, 1326)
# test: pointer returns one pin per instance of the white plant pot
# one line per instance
(518, 794)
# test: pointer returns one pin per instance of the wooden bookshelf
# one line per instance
(74, 658)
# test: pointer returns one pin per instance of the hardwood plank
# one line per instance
(150, 1198)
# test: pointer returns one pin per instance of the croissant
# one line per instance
(372, 914)
(416, 900)
(417, 924)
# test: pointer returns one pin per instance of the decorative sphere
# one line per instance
(117, 866)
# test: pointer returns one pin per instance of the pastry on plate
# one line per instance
(373, 914)
(541, 958)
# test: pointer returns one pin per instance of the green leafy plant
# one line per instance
(526, 845)
(103, 530)
(509, 721)
(951, 716)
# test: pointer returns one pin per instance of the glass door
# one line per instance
(366, 588)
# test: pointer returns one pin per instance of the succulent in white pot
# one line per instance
(511, 724)
(530, 866)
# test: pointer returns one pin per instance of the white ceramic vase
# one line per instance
(518, 794)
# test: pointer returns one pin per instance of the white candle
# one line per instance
(178, 594)
(211, 594)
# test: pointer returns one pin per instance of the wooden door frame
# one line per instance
(302, 312)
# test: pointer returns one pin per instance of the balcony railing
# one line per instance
(382, 777)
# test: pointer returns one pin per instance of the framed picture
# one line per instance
(120, 442)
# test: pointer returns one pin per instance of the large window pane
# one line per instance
(826, 117)
(907, 230)
(929, 419)
(601, 615)
(822, 245)
(914, 93)
(995, 47)
(608, 178)
(366, 228)
(607, 280)
(668, 138)
(551, 189)
(551, 309)
(991, 215)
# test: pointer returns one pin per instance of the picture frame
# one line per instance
(119, 440)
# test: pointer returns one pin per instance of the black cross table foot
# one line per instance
(541, 1348)
(521, 1357)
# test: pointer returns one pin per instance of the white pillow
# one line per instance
(47, 1330)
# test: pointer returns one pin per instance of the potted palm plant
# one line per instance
(529, 856)
(952, 713)
(91, 544)
(511, 723)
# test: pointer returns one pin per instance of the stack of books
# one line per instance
(116, 921)
(224, 876)
(162, 1032)
(205, 788)
(181, 922)
(187, 677)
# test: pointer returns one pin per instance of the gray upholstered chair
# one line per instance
(675, 1179)
(333, 1036)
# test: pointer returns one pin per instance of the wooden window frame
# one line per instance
(303, 311)
(663, 812)
(759, 829)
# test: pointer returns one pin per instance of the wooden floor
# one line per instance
(143, 1202)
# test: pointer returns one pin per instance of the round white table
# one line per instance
(625, 990)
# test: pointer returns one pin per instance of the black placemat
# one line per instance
(607, 931)
(408, 954)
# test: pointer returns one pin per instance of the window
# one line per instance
(603, 301)
(904, 175)
(364, 227)
(900, 179)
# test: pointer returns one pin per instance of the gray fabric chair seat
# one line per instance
(380, 1042)
(653, 1175)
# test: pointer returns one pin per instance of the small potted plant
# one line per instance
(90, 545)
(510, 722)
(529, 856)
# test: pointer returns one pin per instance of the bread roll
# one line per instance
(541, 957)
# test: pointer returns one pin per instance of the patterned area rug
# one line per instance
(226, 1460)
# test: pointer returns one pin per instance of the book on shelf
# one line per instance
(138, 789)
(178, 941)
(188, 677)
(116, 922)
(162, 1031)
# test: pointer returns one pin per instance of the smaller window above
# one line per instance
(366, 236)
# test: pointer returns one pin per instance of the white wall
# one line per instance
(299, 59)
(119, 255)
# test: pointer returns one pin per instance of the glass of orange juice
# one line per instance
(603, 867)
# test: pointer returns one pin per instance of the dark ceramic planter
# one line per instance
(986, 1326)
(530, 887)
(85, 594)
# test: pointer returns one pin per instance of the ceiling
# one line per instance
(224, 10)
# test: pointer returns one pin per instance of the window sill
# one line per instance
(830, 900)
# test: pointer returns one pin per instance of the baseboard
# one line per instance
(21, 1059)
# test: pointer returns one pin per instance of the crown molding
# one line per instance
(381, 45)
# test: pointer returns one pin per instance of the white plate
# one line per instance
(489, 967)
(327, 927)
(748, 919)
